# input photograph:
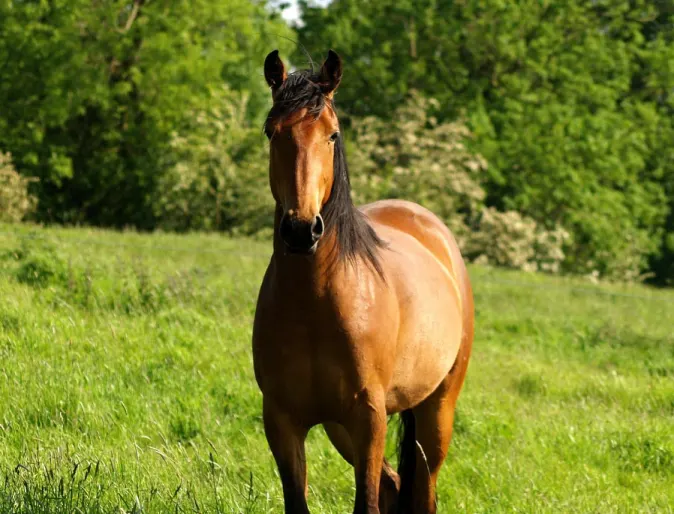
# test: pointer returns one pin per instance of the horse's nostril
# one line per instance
(300, 236)
(317, 227)
(286, 228)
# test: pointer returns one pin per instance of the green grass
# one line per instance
(126, 385)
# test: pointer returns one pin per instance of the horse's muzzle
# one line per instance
(301, 236)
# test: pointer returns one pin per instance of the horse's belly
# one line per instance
(421, 369)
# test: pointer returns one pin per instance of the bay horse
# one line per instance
(362, 313)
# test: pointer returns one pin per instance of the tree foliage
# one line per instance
(147, 113)
(93, 93)
(570, 102)
(15, 200)
(416, 157)
(216, 172)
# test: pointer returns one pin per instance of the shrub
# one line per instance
(415, 157)
(216, 177)
(15, 200)
(511, 240)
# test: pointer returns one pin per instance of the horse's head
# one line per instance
(303, 131)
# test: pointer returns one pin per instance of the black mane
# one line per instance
(355, 237)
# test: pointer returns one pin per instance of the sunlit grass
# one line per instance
(126, 383)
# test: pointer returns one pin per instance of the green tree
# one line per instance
(569, 103)
(93, 93)
(216, 174)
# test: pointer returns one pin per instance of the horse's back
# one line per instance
(436, 321)
(428, 229)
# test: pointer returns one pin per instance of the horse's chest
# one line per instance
(304, 370)
(314, 353)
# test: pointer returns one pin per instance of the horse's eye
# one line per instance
(334, 137)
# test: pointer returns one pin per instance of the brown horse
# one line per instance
(362, 313)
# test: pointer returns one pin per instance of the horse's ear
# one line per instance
(274, 71)
(331, 74)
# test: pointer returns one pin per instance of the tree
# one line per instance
(565, 100)
(93, 93)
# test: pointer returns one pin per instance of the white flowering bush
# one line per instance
(415, 157)
(16, 202)
(511, 240)
(216, 178)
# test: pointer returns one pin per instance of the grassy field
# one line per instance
(126, 385)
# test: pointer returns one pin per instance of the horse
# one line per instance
(363, 313)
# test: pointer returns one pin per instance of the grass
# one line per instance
(126, 385)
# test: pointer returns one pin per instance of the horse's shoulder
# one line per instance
(420, 223)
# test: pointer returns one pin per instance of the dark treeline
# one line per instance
(148, 114)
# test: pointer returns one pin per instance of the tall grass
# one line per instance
(126, 385)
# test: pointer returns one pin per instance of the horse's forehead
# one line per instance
(303, 124)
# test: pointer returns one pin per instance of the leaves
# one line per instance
(564, 100)
(93, 93)
(125, 111)
(15, 200)
(216, 172)
(417, 158)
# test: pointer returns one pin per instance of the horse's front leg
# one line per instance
(389, 484)
(367, 428)
(286, 441)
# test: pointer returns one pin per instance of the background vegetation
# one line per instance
(541, 131)
(127, 386)
(571, 103)
(147, 113)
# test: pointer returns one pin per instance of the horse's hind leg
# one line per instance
(434, 419)
(433, 428)
(389, 483)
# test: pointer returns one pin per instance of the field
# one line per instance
(126, 385)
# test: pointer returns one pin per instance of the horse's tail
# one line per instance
(407, 455)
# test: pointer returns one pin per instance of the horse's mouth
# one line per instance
(294, 250)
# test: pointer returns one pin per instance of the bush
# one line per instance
(511, 240)
(15, 200)
(216, 177)
(415, 157)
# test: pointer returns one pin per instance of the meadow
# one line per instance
(126, 385)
